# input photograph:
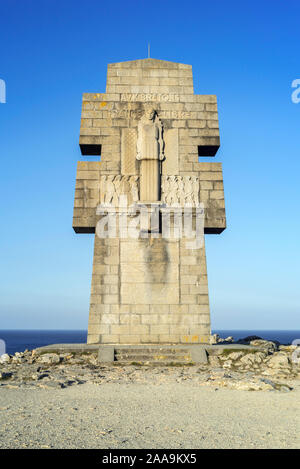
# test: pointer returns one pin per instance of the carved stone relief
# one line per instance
(113, 187)
(128, 151)
(180, 190)
(150, 153)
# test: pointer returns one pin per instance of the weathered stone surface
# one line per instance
(49, 358)
(5, 358)
(265, 344)
(128, 151)
(235, 356)
(150, 129)
(279, 360)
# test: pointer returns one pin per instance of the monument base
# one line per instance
(146, 354)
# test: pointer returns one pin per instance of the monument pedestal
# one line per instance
(148, 291)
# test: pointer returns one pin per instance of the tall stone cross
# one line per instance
(150, 131)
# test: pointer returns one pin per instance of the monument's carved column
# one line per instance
(150, 130)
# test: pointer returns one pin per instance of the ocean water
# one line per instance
(19, 340)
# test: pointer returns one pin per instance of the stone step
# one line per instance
(153, 363)
(150, 350)
(153, 355)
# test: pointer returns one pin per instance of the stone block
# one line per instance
(189, 299)
(130, 339)
(159, 329)
(120, 329)
(109, 339)
(93, 339)
(140, 273)
(199, 354)
(169, 338)
(98, 329)
(149, 338)
(149, 293)
(106, 354)
(110, 319)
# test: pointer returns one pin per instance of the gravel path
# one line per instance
(167, 415)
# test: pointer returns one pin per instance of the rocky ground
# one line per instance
(39, 390)
(268, 367)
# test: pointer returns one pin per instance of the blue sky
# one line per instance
(247, 53)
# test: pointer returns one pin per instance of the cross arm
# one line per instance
(87, 194)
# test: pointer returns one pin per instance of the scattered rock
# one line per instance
(214, 361)
(248, 339)
(227, 364)
(228, 340)
(250, 384)
(270, 347)
(235, 356)
(49, 358)
(259, 368)
(216, 339)
(278, 360)
(5, 358)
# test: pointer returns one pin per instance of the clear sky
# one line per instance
(245, 52)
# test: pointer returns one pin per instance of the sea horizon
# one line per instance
(18, 340)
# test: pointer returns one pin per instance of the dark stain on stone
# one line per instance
(157, 260)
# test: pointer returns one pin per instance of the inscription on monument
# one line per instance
(164, 97)
(138, 113)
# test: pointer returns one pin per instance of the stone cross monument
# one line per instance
(150, 131)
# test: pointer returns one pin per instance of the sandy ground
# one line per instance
(180, 415)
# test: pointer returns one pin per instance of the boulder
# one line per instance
(214, 361)
(214, 339)
(18, 359)
(279, 360)
(288, 348)
(267, 345)
(252, 359)
(227, 364)
(234, 356)
(251, 386)
(5, 358)
(49, 359)
(229, 339)
(248, 339)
